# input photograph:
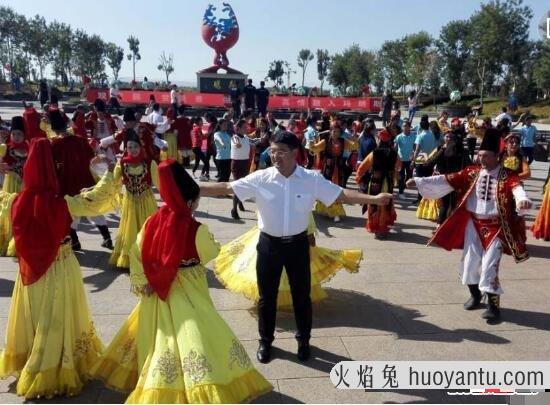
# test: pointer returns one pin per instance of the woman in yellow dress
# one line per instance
(541, 227)
(137, 173)
(236, 266)
(175, 347)
(427, 208)
(51, 342)
(13, 156)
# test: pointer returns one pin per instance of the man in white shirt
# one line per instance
(159, 121)
(503, 115)
(174, 100)
(285, 195)
(485, 222)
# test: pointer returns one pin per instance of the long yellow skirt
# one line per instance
(236, 268)
(334, 210)
(51, 343)
(428, 209)
(180, 351)
(7, 246)
(541, 227)
(12, 183)
(134, 213)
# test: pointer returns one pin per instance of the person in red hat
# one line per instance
(486, 222)
(72, 156)
(377, 170)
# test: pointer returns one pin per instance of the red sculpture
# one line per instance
(220, 34)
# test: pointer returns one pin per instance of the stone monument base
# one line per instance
(208, 82)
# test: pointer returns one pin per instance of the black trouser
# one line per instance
(310, 159)
(444, 208)
(405, 173)
(262, 109)
(175, 109)
(237, 110)
(472, 147)
(273, 254)
(224, 169)
(200, 157)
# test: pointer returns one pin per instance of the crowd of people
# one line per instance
(174, 346)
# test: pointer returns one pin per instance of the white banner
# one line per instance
(451, 375)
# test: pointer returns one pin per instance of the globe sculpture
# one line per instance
(220, 31)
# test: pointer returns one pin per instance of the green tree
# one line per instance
(134, 56)
(89, 55)
(496, 28)
(166, 65)
(304, 57)
(351, 68)
(276, 72)
(114, 55)
(392, 57)
(323, 65)
(417, 48)
(13, 30)
(61, 37)
(454, 48)
(541, 69)
(432, 73)
(39, 45)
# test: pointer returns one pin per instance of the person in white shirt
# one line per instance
(240, 161)
(160, 122)
(285, 195)
(504, 114)
(174, 100)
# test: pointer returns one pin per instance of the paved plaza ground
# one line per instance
(404, 304)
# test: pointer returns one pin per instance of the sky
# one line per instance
(269, 30)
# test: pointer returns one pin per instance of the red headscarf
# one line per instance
(169, 235)
(32, 124)
(40, 216)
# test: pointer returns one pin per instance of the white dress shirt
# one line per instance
(481, 202)
(285, 203)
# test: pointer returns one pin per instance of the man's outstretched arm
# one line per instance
(355, 197)
(215, 189)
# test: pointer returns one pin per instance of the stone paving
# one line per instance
(404, 304)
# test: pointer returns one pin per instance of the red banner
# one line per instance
(366, 104)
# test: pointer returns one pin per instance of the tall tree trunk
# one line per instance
(303, 75)
(134, 67)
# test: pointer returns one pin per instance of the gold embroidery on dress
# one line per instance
(167, 366)
(237, 354)
(84, 343)
(196, 366)
(128, 351)
(236, 248)
(135, 178)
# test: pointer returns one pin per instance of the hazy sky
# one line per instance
(268, 29)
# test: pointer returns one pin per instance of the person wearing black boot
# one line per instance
(72, 156)
(285, 195)
(486, 222)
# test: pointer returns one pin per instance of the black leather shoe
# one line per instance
(235, 214)
(107, 243)
(303, 351)
(264, 353)
(241, 206)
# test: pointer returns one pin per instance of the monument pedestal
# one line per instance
(209, 82)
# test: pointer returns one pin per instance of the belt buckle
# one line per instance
(286, 239)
